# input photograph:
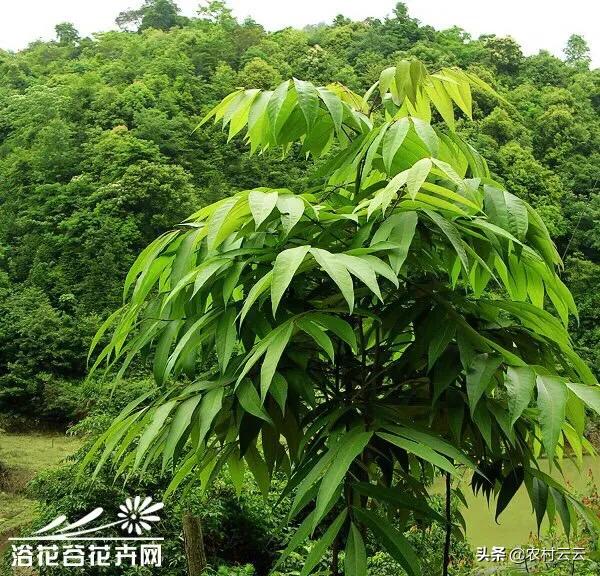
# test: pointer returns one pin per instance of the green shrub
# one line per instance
(241, 533)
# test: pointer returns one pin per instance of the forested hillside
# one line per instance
(99, 154)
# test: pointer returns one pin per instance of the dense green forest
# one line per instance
(100, 152)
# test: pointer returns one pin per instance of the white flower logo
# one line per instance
(136, 514)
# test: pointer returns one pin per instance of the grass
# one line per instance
(15, 511)
(35, 452)
(22, 456)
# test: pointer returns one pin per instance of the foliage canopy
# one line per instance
(402, 316)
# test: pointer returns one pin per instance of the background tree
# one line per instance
(451, 351)
(577, 51)
(503, 53)
(66, 33)
(159, 14)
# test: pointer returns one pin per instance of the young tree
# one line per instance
(401, 318)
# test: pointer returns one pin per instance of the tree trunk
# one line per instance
(448, 525)
(335, 570)
(194, 544)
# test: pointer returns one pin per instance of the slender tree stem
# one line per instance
(448, 525)
(335, 560)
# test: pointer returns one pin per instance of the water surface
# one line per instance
(517, 522)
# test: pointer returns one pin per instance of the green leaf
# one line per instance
(185, 257)
(182, 473)
(347, 449)
(236, 471)
(381, 268)
(398, 499)
(440, 340)
(451, 232)
(210, 406)
(259, 469)
(434, 442)
(258, 121)
(552, 402)
(179, 424)
(203, 274)
(576, 413)
(539, 499)
(286, 265)
(161, 354)
(507, 211)
(479, 376)
(402, 83)
(372, 151)
(363, 271)
(510, 486)
(334, 105)
(417, 174)
(339, 327)
(309, 476)
(255, 292)
(103, 328)
(399, 229)
(427, 134)
(250, 400)
(231, 280)
(188, 340)
(386, 78)
(318, 335)
(275, 105)
(143, 262)
(217, 219)
(562, 507)
(393, 140)
(392, 540)
(291, 209)
(318, 549)
(225, 338)
(590, 395)
(483, 420)
(355, 559)
(457, 85)
(520, 383)
(384, 197)
(221, 107)
(296, 540)
(272, 357)
(152, 431)
(449, 171)
(240, 116)
(279, 390)
(261, 205)
(338, 273)
(419, 450)
(308, 99)
(441, 100)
